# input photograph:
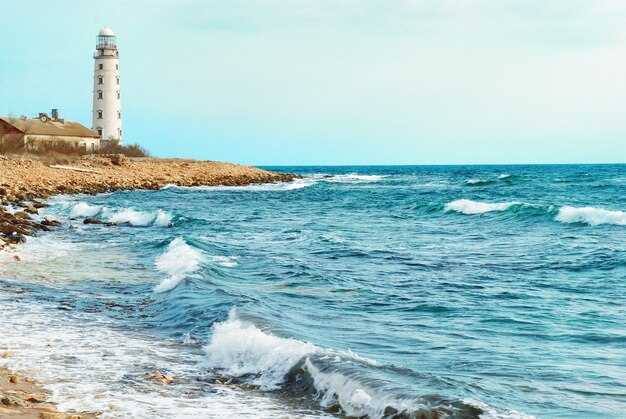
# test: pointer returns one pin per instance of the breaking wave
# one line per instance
(354, 178)
(478, 182)
(178, 261)
(590, 216)
(240, 349)
(261, 187)
(83, 209)
(122, 216)
(469, 207)
(130, 216)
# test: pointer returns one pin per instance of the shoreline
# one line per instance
(26, 183)
(24, 398)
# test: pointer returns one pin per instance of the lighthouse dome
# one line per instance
(106, 32)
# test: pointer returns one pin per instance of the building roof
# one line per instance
(52, 127)
(106, 31)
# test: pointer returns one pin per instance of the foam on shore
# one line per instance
(91, 363)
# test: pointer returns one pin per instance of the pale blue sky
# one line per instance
(336, 82)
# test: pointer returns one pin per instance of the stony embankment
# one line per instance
(24, 182)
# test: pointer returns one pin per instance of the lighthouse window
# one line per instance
(99, 114)
(119, 115)
(100, 132)
(100, 80)
(118, 80)
(99, 94)
(100, 66)
(117, 66)
(118, 94)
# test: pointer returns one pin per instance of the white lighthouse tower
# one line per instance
(107, 109)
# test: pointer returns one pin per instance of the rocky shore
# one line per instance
(25, 182)
(22, 398)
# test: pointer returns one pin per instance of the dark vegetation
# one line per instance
(62, 152)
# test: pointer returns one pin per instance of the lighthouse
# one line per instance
(107, 109)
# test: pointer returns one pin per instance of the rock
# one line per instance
(160, 377)
(92, 221)
(17, 258)
(95, 221)
(16, 239)
(14, 379)
(41, 227)
(7, 412)
(49, 407)
(6, 354)
(22, 215)
(31, 209)
(52, 415)
(51, 223)
(39, 205)
(10, 400)
(7, 229)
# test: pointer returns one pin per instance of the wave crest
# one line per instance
(241, 349)
(83, 209)
(469, 207)
(122, 216)
(590, 216)
(179, 260)
(354, 178)
(478, 182)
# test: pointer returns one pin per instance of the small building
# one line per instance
(37, 132)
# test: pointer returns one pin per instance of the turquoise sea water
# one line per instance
(477, 291)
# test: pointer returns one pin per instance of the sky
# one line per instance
(335, 82)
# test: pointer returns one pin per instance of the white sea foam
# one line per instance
(477, 181)
(83, 209)
(355, 178)
(261, 187)
(226, 261)
(38, 250)
(490, 412)
(469, 207)
(130, 216)
(179, 260)
(123, 216)
(92, 363)
(590, 215)
(163, 219)
(238, 348)
(504, 176)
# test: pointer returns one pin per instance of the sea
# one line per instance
(361, 291)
